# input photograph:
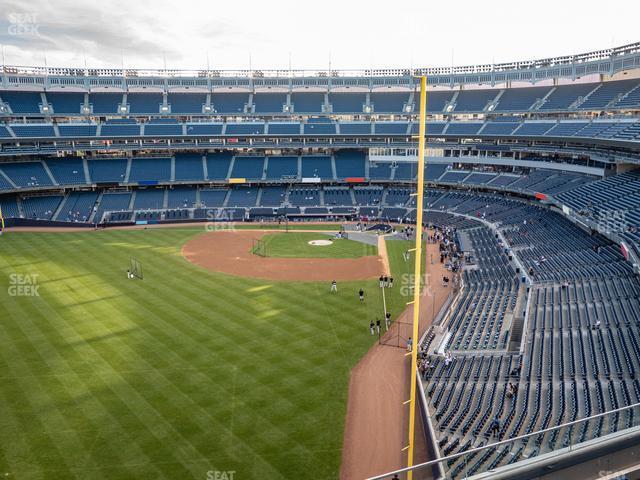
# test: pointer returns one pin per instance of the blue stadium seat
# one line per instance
(307, 102)
(67, 171)
(150, 170)
(108, 170)
(186, 103)
(188, 166)
(269, 102)
(66, 103)
(218, 165)
(229, 103)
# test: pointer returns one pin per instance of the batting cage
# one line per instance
(136, 268)
(259, 247)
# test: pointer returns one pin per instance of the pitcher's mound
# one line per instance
(320, 243)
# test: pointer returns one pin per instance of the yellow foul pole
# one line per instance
(417, 271)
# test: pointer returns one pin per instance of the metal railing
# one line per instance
(565, 60)
(522, 440)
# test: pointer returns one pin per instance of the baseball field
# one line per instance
(186, 372)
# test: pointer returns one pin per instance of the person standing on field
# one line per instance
(334, 287)
(371, 326)
(361, 294)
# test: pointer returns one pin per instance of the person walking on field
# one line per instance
(387, 320)
(381, 279)
(334, 287)
(361, 294)
(378, 326)
(390, 282)
(409, 344)
(371, 326)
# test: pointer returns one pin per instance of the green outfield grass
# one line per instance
(296, 245)
(184, 372)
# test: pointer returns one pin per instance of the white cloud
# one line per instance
(353, 33)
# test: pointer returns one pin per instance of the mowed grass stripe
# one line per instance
(176, 341)
(113, 457)
(138, 397)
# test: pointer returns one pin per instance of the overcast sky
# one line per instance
(351, 33)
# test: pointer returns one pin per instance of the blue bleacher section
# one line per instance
(521, 99)
(251, 168)
(78, 207)
(304, 196)
(349, 164)
(534, 128)
(466, 128)
(337, 196)
(282, 167)
(204, 128)
(391, 128)
(213, 198)
(9, 206)
(181, 197)
(473, 100)
(317, 167)
(356, 128)
(162, 129)
(105, 103)
(26, 174)
(66, 103)
(606, 93)
(347, 102)
(247, 128)
(188, 166)
(380, 170)
(150, 170)
(243, 197)
(144, 102)
(319, 129)
(33, 130)
(22, 102)
(565, 95)
(218, 165)
(41, 207)
(149, 199)
(66, 171)
(107, 170)
(308, 102)
(112, 202)
(269, 102)
(282, 128)
(272, 196)
(499, 128)
(78, 130)
(229, 103)
(437, 100)
(389, 102)
(120, 130)
(188, 103)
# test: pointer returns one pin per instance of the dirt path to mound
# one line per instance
(230, 252)
(376, 426)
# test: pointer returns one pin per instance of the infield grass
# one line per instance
(296, 245)
(184, 372)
